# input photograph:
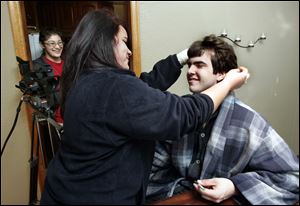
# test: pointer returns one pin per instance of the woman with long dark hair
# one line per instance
(111, 117)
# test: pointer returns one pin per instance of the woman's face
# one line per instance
(53, 47)
(121, 50)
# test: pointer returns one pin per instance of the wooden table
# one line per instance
(191, 198)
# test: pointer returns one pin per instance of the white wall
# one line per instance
(15, 170)
(273, 90)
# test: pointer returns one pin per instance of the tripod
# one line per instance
(47, 140)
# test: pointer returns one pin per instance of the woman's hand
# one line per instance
(216, 189)
(236, 77)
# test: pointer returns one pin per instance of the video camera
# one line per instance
(39, 87)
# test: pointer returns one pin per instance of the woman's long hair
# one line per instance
(91, 46)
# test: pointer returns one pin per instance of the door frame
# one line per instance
(135, 36)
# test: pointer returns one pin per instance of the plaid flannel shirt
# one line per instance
(242, 147)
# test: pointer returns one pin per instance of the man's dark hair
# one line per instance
(223, 57)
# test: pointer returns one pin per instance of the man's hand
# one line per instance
(215, 189)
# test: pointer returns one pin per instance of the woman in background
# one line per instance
(50, 60)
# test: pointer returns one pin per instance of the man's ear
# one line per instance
(220, 76)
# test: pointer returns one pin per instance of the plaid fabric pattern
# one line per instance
(242, 147)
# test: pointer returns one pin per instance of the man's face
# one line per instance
(200, 73)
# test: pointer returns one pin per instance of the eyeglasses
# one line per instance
(53, 43)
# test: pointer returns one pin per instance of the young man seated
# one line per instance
(235, 154)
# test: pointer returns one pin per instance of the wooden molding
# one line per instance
(18, 24)
(19, 31)
(135, 35)
(21, 43)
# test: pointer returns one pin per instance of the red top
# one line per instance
(57, 71)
